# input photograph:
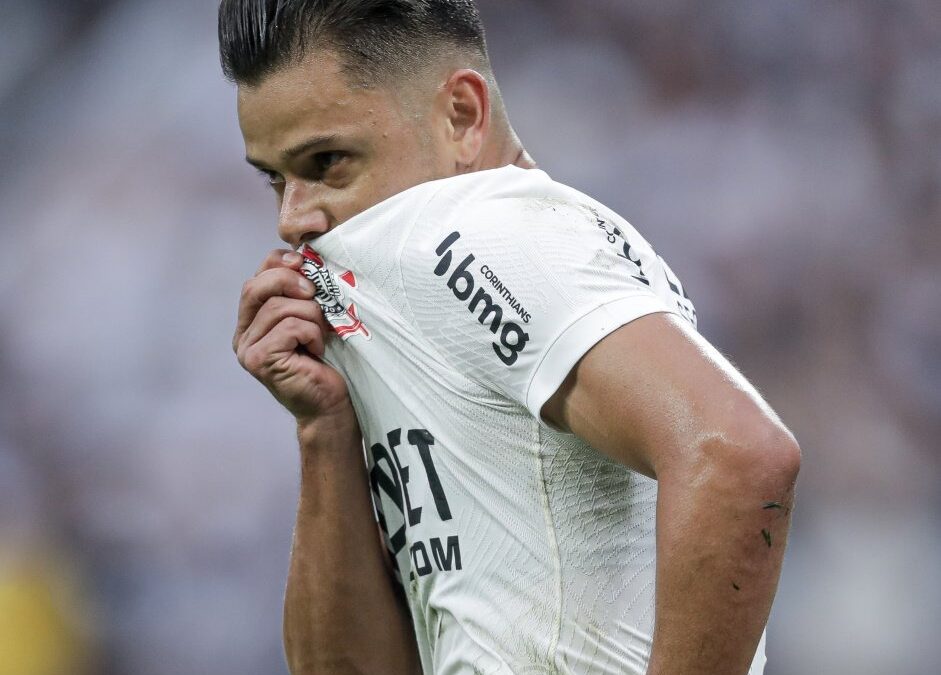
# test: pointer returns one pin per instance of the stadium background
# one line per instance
(785, 156)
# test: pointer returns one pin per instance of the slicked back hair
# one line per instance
(375, 39)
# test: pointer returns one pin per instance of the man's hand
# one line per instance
(359, 622)
(280, 338)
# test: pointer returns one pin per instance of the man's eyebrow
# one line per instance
(258, 164)
(308, 145)
(299, 149)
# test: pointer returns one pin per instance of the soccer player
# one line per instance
(560, 474)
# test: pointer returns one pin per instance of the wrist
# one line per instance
(331, 431)
(332, 465)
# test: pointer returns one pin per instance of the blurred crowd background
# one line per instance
(784, 156)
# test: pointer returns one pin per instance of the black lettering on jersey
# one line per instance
(387, 481)
(390, 478)
(461, 274)
(615, 236)
(490, 309)
(683, 302)
(395, 483)
(423, 440)
(446, 559)
(421, 564)
(445, 245)
(630, 255)
(512, 338)
(505, 293)
(449, 559)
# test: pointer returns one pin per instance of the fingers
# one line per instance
(281, 257)
(280, 337)
(276, 310)
(280, 343)
(269, 284)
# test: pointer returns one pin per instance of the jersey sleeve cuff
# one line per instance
(578, 338)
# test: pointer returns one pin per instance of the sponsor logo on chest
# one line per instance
(394, 485)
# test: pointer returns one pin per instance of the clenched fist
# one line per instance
(280, 338)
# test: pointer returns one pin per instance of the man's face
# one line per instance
(332, 150)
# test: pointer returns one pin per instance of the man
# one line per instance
(566, 477)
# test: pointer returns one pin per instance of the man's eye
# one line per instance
(273, 179)
(324, 161)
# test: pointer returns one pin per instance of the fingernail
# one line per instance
(290, 258)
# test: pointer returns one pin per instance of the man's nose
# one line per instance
(302, 215)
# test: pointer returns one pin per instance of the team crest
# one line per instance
(342, 318)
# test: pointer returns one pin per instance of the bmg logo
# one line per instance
(512, 338)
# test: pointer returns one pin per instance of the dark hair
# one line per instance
(374, 38)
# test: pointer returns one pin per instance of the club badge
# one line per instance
(343, 318)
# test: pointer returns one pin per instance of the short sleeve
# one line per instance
(513, 292)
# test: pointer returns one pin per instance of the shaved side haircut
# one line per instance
(375, 39)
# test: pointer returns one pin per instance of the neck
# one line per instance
(503, 148)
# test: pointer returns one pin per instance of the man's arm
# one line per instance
(342, 613)
(658, 398)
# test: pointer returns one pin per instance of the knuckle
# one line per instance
(310, 327)
(276, 279)
(277, 304)
(294, 324)
(253, 360)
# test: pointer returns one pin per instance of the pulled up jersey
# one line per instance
(460, 306)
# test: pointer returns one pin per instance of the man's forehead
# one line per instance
(312, 96)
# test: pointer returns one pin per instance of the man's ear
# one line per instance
(466, 98)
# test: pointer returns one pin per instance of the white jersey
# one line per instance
(461, 305)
